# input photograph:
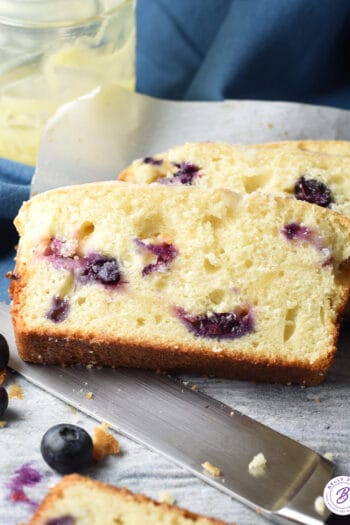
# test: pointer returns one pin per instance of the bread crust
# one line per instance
(67, 481)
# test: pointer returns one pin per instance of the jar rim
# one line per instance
(38, 14)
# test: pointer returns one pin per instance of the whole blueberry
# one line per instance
(97, 267)
(313, 191)
(4, 353)
(67, 448)
(4, 400)
(59, 309)
(228, 325)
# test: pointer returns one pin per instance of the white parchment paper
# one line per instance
(97, 136)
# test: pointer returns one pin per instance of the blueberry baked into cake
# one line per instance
(317, 172)
(78, 500)
(167, 277)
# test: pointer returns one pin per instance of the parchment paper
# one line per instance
(95, 137)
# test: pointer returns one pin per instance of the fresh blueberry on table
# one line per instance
(4, 353)
(67, 448)
(4, 400)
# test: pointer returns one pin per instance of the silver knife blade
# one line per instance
(191, 428)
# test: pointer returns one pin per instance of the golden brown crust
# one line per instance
(123, 176)
(55, 349)
(67, 481)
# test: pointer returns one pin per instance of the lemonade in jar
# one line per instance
(52, 52)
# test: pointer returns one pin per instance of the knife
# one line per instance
(191, 428)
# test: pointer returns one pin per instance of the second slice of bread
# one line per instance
(172, 278)
(315, 171)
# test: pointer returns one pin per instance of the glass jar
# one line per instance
(52, 52)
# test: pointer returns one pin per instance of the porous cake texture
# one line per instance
(171, 278)
(314, 171)
(78, 500)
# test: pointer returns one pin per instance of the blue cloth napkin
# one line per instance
(295, 50)
(15, 179)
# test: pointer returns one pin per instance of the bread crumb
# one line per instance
(232, 413)
(89, 395)
(104, 443)
(257, 466)
(215, 471)
(2, 376)
(319, 505)
(15, 390)
(166, 497)
(3, 424)
(194, 387)
(329, 456)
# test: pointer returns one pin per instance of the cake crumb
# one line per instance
(89, 395)
(3, 424)
(104, 443)
(329, 456)
(257, 466)
(319, 505)
(215, 471)
(15, 390)
(166, 497)
(2, 376)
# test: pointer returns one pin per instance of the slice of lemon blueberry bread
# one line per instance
(78, 500)
(314, 171)
(172, 278)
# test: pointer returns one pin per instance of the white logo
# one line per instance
(336, 495)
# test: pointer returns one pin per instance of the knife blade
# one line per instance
(191, 428)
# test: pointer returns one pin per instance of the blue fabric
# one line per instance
(14, 189)
(296, 50)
